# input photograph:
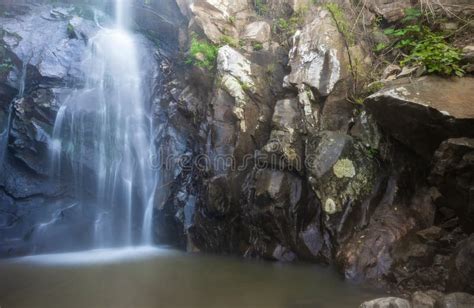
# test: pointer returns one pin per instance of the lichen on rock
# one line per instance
(344, 168)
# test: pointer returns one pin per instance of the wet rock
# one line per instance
(453, 167)
(424, 112)
(56, 56)
(283, 254)
(387, 302)
(461, 273)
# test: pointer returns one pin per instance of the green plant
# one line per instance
(419, 45)
(5, 66)
(257, 46)
(71, 33)
(261, 7)
(232, 20)
(202, 54)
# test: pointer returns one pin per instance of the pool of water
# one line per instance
(155, 277)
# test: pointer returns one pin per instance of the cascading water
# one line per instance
(102, 137)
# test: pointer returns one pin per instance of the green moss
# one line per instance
(71, 33)
(257, 46)
(228, 40)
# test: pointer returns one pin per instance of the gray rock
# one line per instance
(258, 31)
(457, 300)
(318, 56)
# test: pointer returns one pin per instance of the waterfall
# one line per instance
(101, 139)
(5, 133)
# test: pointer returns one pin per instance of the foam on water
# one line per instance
(96, 256)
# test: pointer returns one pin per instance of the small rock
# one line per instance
(391, 70)
(408, 71)
(387, 302)
(433, 233)
(449, 26)
(200, 56)
(468, 54)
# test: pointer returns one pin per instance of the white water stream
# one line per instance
(102, 136)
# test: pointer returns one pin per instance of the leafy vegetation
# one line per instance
(261, 7)
(202, 54)
(288, 26)
(419, 45)
(229, 40)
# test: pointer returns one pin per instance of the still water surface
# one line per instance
(154, 277)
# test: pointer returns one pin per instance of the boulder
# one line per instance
(218, 18)
(390, 10)
(258, 31)
(422, 113)
(387, 302)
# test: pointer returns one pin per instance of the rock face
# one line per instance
(305, 175)
(41, 67)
